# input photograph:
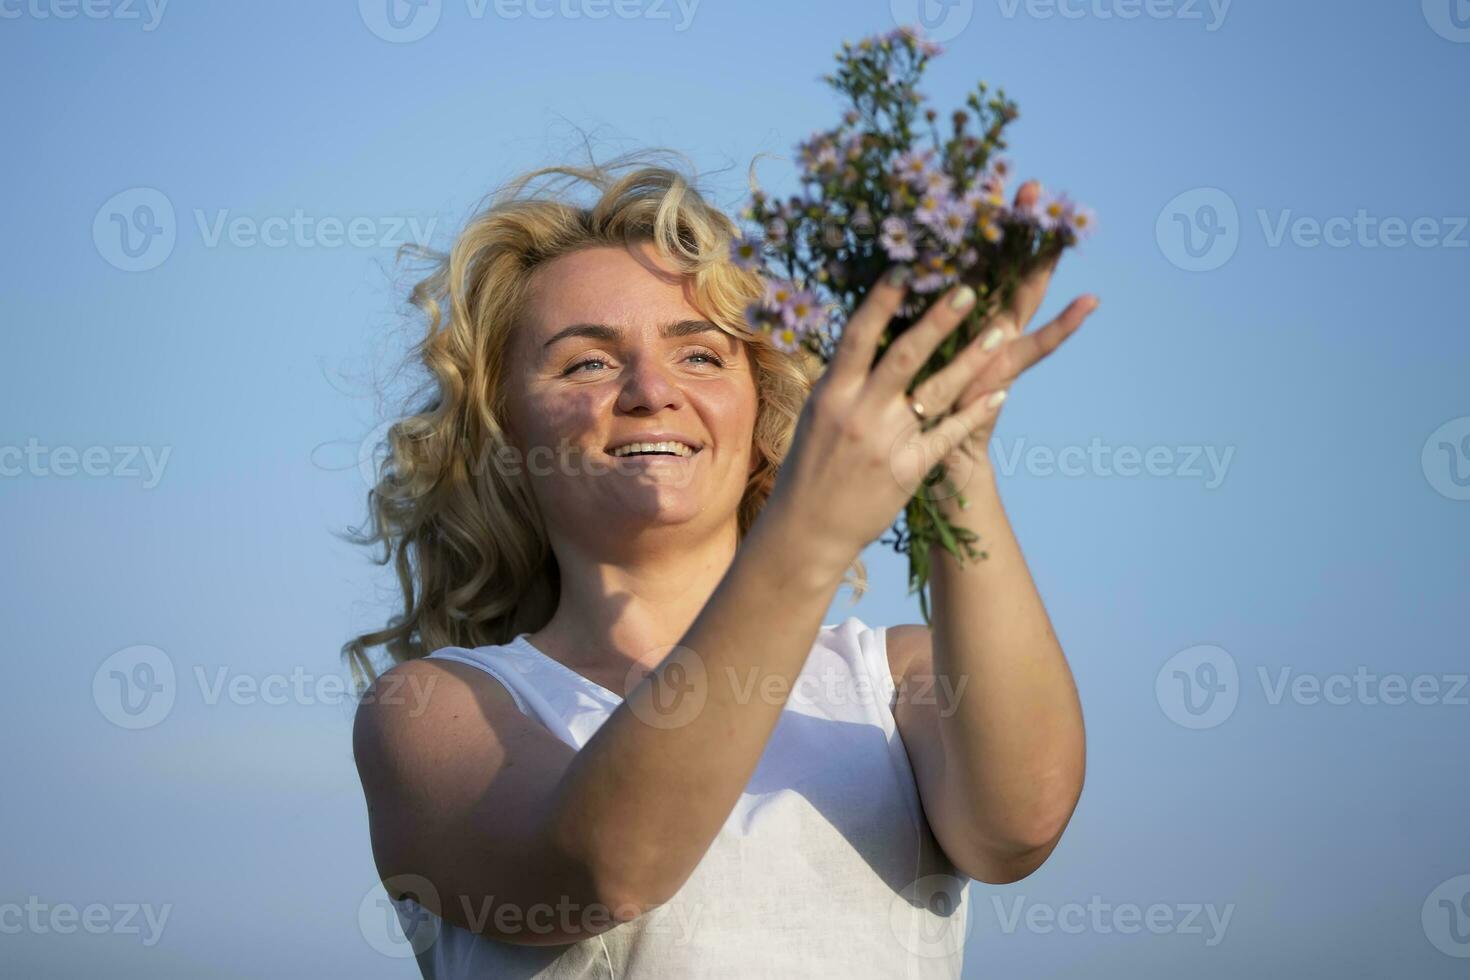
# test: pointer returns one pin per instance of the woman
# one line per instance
(619, 741)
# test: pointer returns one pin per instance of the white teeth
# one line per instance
(677, 448)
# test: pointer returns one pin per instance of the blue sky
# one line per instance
(1282, 258)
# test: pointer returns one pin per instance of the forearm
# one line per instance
(646, 796)
(1014, 746)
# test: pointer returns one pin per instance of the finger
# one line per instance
(1029, 293)
(908, 353)
(1028, 194)
(1024, 350)
(952, 430)
(1032, 290)
(853, 358)
(939, 393)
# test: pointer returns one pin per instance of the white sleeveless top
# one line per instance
(826, 866)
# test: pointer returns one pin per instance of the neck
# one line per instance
(627, 602)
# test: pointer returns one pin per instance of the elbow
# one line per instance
(1008, 867)
(618, 892)
(1018, 855)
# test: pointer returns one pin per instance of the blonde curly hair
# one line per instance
(467, 541)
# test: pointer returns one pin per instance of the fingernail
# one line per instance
(963, 299)
(992, 337)
(995, 398)
(897, 276)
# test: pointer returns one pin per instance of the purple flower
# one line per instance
(897, 239)
(954, 221)
(930, 211)
(778, 294)
(913, 166)
(934, 272)
(802, 313)
(936, 182)
(776, 231)
(745, 253)
(1081, 221)
(819, 154)
(928, 282)
(785, 339)
(1055, 212)
(757, 318)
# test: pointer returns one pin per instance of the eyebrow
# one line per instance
(601, 331)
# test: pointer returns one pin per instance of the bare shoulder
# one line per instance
(910, 647)
(461, 788)
(408, 708)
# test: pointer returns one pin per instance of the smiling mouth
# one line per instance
(655, 455)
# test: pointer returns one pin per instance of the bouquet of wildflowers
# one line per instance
(883, 188)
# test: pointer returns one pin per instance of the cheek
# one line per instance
(735, 408)
(566, 415)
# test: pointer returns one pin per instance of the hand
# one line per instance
(859, 453)
(1015, 352)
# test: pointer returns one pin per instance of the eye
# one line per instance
(710, 355)
(707, 354)
(581, 364)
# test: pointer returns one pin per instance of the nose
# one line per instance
(648, 387)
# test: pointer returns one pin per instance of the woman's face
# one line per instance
(611, 352)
